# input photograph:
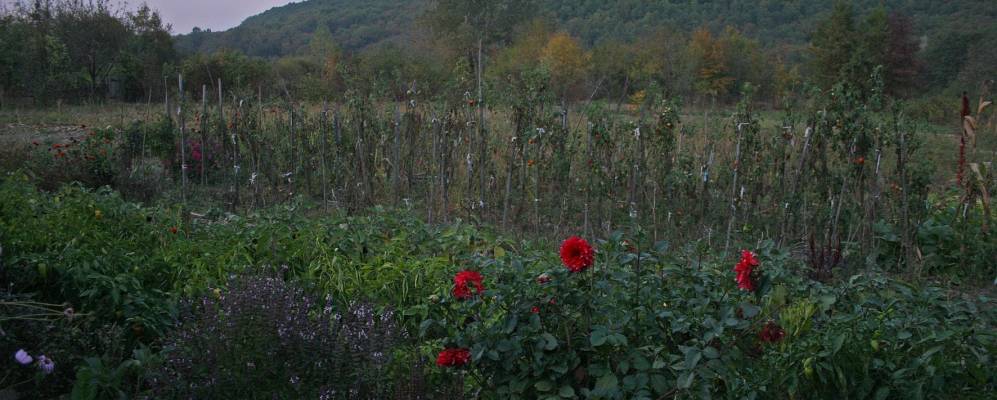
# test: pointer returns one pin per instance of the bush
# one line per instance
(655, 325)
(265, 338)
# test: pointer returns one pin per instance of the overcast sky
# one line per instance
(216, 15)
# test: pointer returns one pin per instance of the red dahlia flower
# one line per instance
(771, 332)
(453, 357)
(576, 254)
(461, 289)
(744, 270)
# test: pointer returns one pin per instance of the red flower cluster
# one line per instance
(577, 254)
(462, 289)
(744, 270)
(535, 310)
(771, 332)
(453, 357)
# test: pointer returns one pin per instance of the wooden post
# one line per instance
(396, 155)
(204, 133)
(182, 147)
(325, 195)
(481, 137)
(236, 161)
(291, 173)
(166, 98)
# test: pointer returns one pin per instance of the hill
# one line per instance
(356, 25)
(285, 30)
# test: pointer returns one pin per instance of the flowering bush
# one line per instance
(653, 324)
(263, 337)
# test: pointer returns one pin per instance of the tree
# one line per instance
(901, 59)
(567, 62)
(466, 24)
(712, 72)
(832, 45)
(149, 49)
(322, 49)
(95, 38)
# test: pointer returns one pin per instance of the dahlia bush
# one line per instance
(609, 323)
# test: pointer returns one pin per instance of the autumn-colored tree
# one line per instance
(567, 62)
(712, 72)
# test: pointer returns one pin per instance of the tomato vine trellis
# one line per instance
(522, 164)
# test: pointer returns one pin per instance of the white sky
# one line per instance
(184, 15)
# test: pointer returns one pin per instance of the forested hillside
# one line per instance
(285, 30)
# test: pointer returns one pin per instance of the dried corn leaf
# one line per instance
(983, 106)
(969, 128)
(981, 183)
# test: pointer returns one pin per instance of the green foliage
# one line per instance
(73, 50)
(651, 323)
(98, 378)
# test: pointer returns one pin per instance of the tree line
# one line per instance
(73, 50)
(70, 50)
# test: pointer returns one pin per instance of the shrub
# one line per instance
(644, 325)
(265, 338)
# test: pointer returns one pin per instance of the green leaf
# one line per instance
(827, 301)
(598, 337)
(659, 383)
(685, 380)
(544, 386)
(711, 352)
(566, 392)
(749, 310)
(550, 341)
(692, 357)
(837, 343)
(607, 382)
(617, 339)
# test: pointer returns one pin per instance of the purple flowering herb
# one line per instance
(23, 357)
(46, 364)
